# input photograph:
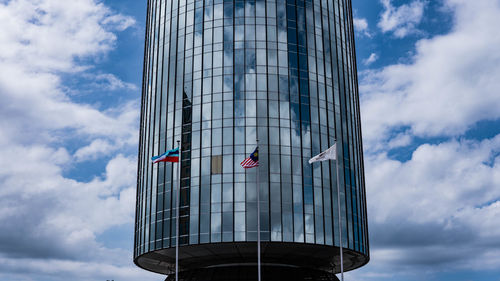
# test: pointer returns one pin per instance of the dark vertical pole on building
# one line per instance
(258, 210)
(177, 203)
(340, 214)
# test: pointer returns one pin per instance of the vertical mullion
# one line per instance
(140, 157)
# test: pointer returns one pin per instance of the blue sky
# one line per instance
(70, 80)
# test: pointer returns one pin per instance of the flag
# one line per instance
(330, 153)
(252, 160)
(169, 156)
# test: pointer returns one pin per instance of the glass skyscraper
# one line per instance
(219, 73)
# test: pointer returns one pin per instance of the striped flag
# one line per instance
(252, 160)
(169, 156)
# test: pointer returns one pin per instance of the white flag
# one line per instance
(330, 153)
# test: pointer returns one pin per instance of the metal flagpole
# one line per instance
(258, 212)
(340, 220)
(177, 203)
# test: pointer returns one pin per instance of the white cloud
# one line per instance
(67, 212)
(97, 148)
(118, 21)
(454, 174)
(41, 39)
(110, 82)
(48, 219)
(361, 26)
(400, 140)
(371, 59)
(51, 222)
(451, 83)
(437, 210)
(51, 35)
(402, 20)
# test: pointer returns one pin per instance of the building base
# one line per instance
(249, 273)
(323, 258)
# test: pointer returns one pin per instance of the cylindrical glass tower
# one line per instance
(219, 73)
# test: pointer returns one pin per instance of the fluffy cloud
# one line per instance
(402, 20)
(454, 174)
(52, 35)
(39, 41)
(439, 209)
(50, 222)
(371, 59)
(110, 82)
(361, 26)
(450, 84)
(97, 148)
(48, 216)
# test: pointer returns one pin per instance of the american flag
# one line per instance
(252, 161)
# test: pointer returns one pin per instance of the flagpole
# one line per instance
(177, 203)
(258, 214)
(340, 221)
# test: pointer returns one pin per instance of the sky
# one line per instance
(70, 86)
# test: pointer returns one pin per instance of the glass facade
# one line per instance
(217, 75)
